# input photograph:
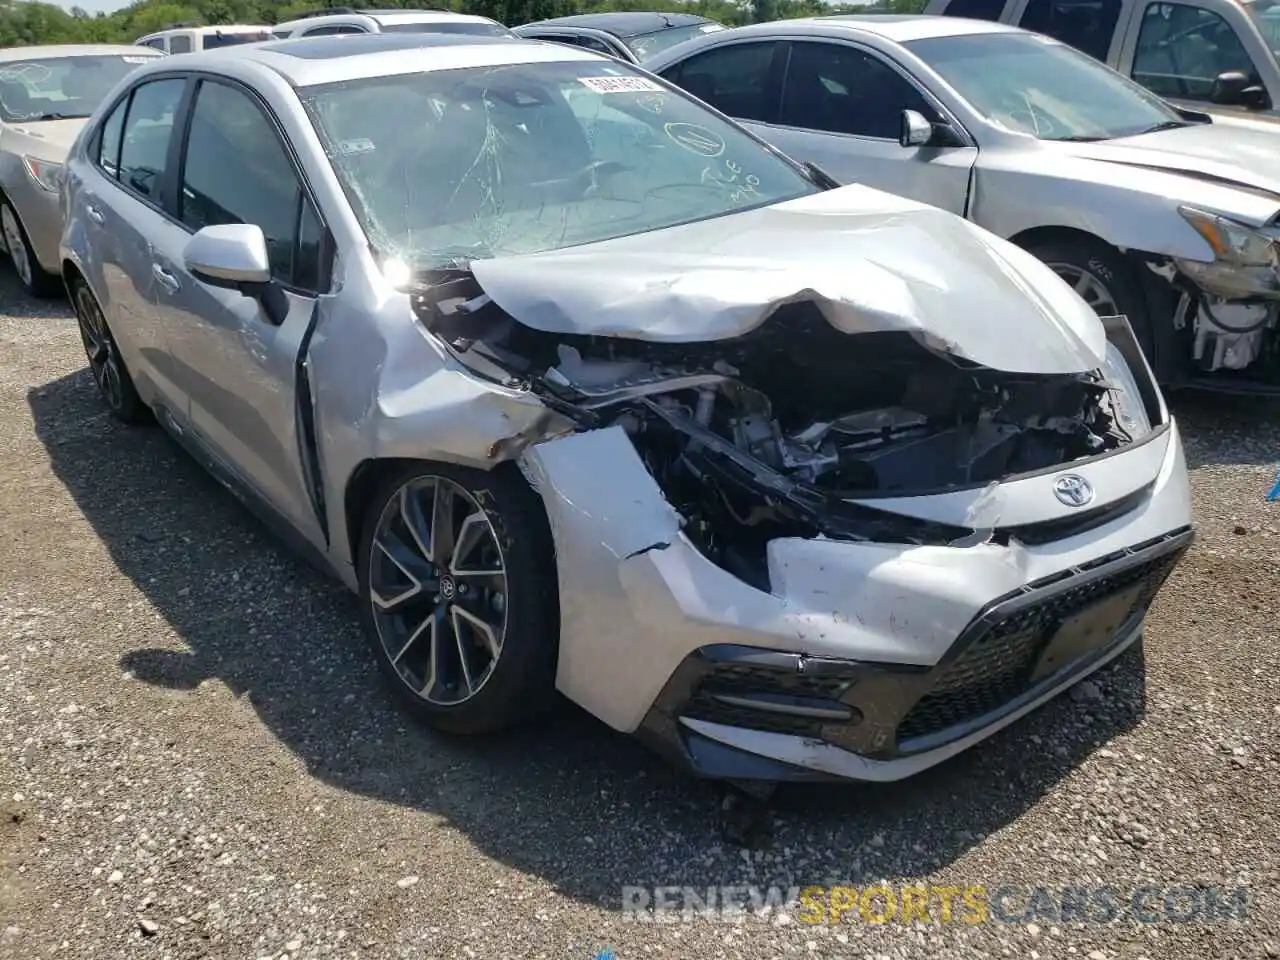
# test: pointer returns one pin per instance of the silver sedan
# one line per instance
(584, 388)
(46, 95)
(1168, 217)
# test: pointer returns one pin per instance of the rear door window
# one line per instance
(148, 125)
(179, 43)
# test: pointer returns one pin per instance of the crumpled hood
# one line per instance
(1244, 155)
(868, 260)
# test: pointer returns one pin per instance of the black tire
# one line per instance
(520, 684)
(1109, 268)
(114, 383)
(39, 282)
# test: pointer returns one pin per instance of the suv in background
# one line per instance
(340, 20)
(189, 38)
(1202, 54)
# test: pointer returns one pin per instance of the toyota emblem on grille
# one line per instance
(1073, 490)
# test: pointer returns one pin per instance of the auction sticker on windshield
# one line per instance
(620, 84)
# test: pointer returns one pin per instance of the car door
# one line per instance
(125, 212)
(238, 366)
(842, 108)
(1178, 50)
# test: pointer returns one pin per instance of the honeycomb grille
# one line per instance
(998, 666)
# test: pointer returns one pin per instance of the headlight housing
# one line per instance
(1246, 260)
(47, 174)
(1232, 242)
(1126, 398)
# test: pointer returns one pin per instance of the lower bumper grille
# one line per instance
(998, 665)
(1016, 647)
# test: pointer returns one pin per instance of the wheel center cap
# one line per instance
(447, 588)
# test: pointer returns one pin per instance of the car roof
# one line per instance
(389, 16)
(624, 24)
(899, 28)
(50, 51)
(308, 61)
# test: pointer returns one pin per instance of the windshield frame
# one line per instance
(921, 49)
(809, 181)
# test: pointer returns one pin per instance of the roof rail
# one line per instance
(323, 12)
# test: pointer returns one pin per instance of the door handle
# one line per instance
(93, 213)
(167, 279)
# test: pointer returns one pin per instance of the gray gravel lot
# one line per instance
(197, 758)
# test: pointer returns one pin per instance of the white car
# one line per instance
(339, 21)
(190, 38)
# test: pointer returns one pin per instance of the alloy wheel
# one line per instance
(16, 244)
(438, 590)
(99, 347)
(1090, 288)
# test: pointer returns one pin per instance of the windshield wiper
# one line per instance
(57, 116)
(1163, 125)
(1078, 138)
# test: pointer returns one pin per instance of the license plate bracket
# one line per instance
(1083, 632)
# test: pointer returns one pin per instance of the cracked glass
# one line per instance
(443, 167)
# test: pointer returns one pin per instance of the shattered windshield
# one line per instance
(448, 166)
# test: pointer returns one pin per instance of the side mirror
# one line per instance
(1235, 88)
(229, 255)
(916, 130)
(233, 256)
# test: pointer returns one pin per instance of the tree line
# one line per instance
(26, 22)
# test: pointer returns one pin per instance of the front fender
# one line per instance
(1128, 207)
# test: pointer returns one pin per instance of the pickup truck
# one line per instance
(1218, 55)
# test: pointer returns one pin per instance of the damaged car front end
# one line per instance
(811, 523)
(594, 392)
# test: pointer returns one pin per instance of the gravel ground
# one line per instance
(197, 759)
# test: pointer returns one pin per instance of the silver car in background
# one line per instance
(1167, 217)
(46, 94)
(582, 387)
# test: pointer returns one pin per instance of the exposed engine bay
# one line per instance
(780, 432)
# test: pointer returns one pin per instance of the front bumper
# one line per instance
(745, 713)
(941, 643)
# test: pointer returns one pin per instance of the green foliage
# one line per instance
(26, 22)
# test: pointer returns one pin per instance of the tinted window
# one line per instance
(472, 27)
(157, 44)
(332, 31)
(61, 87)
(212, 40)
(842, 90)
(180, 43)
(145, 148)
(651, 44)
(975, 9)
(237, 171)
(1086, 25)
(109, 140)
(1182, 49)
(734, 79)
(587, 43)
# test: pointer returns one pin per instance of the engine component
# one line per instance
(1230, 335)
